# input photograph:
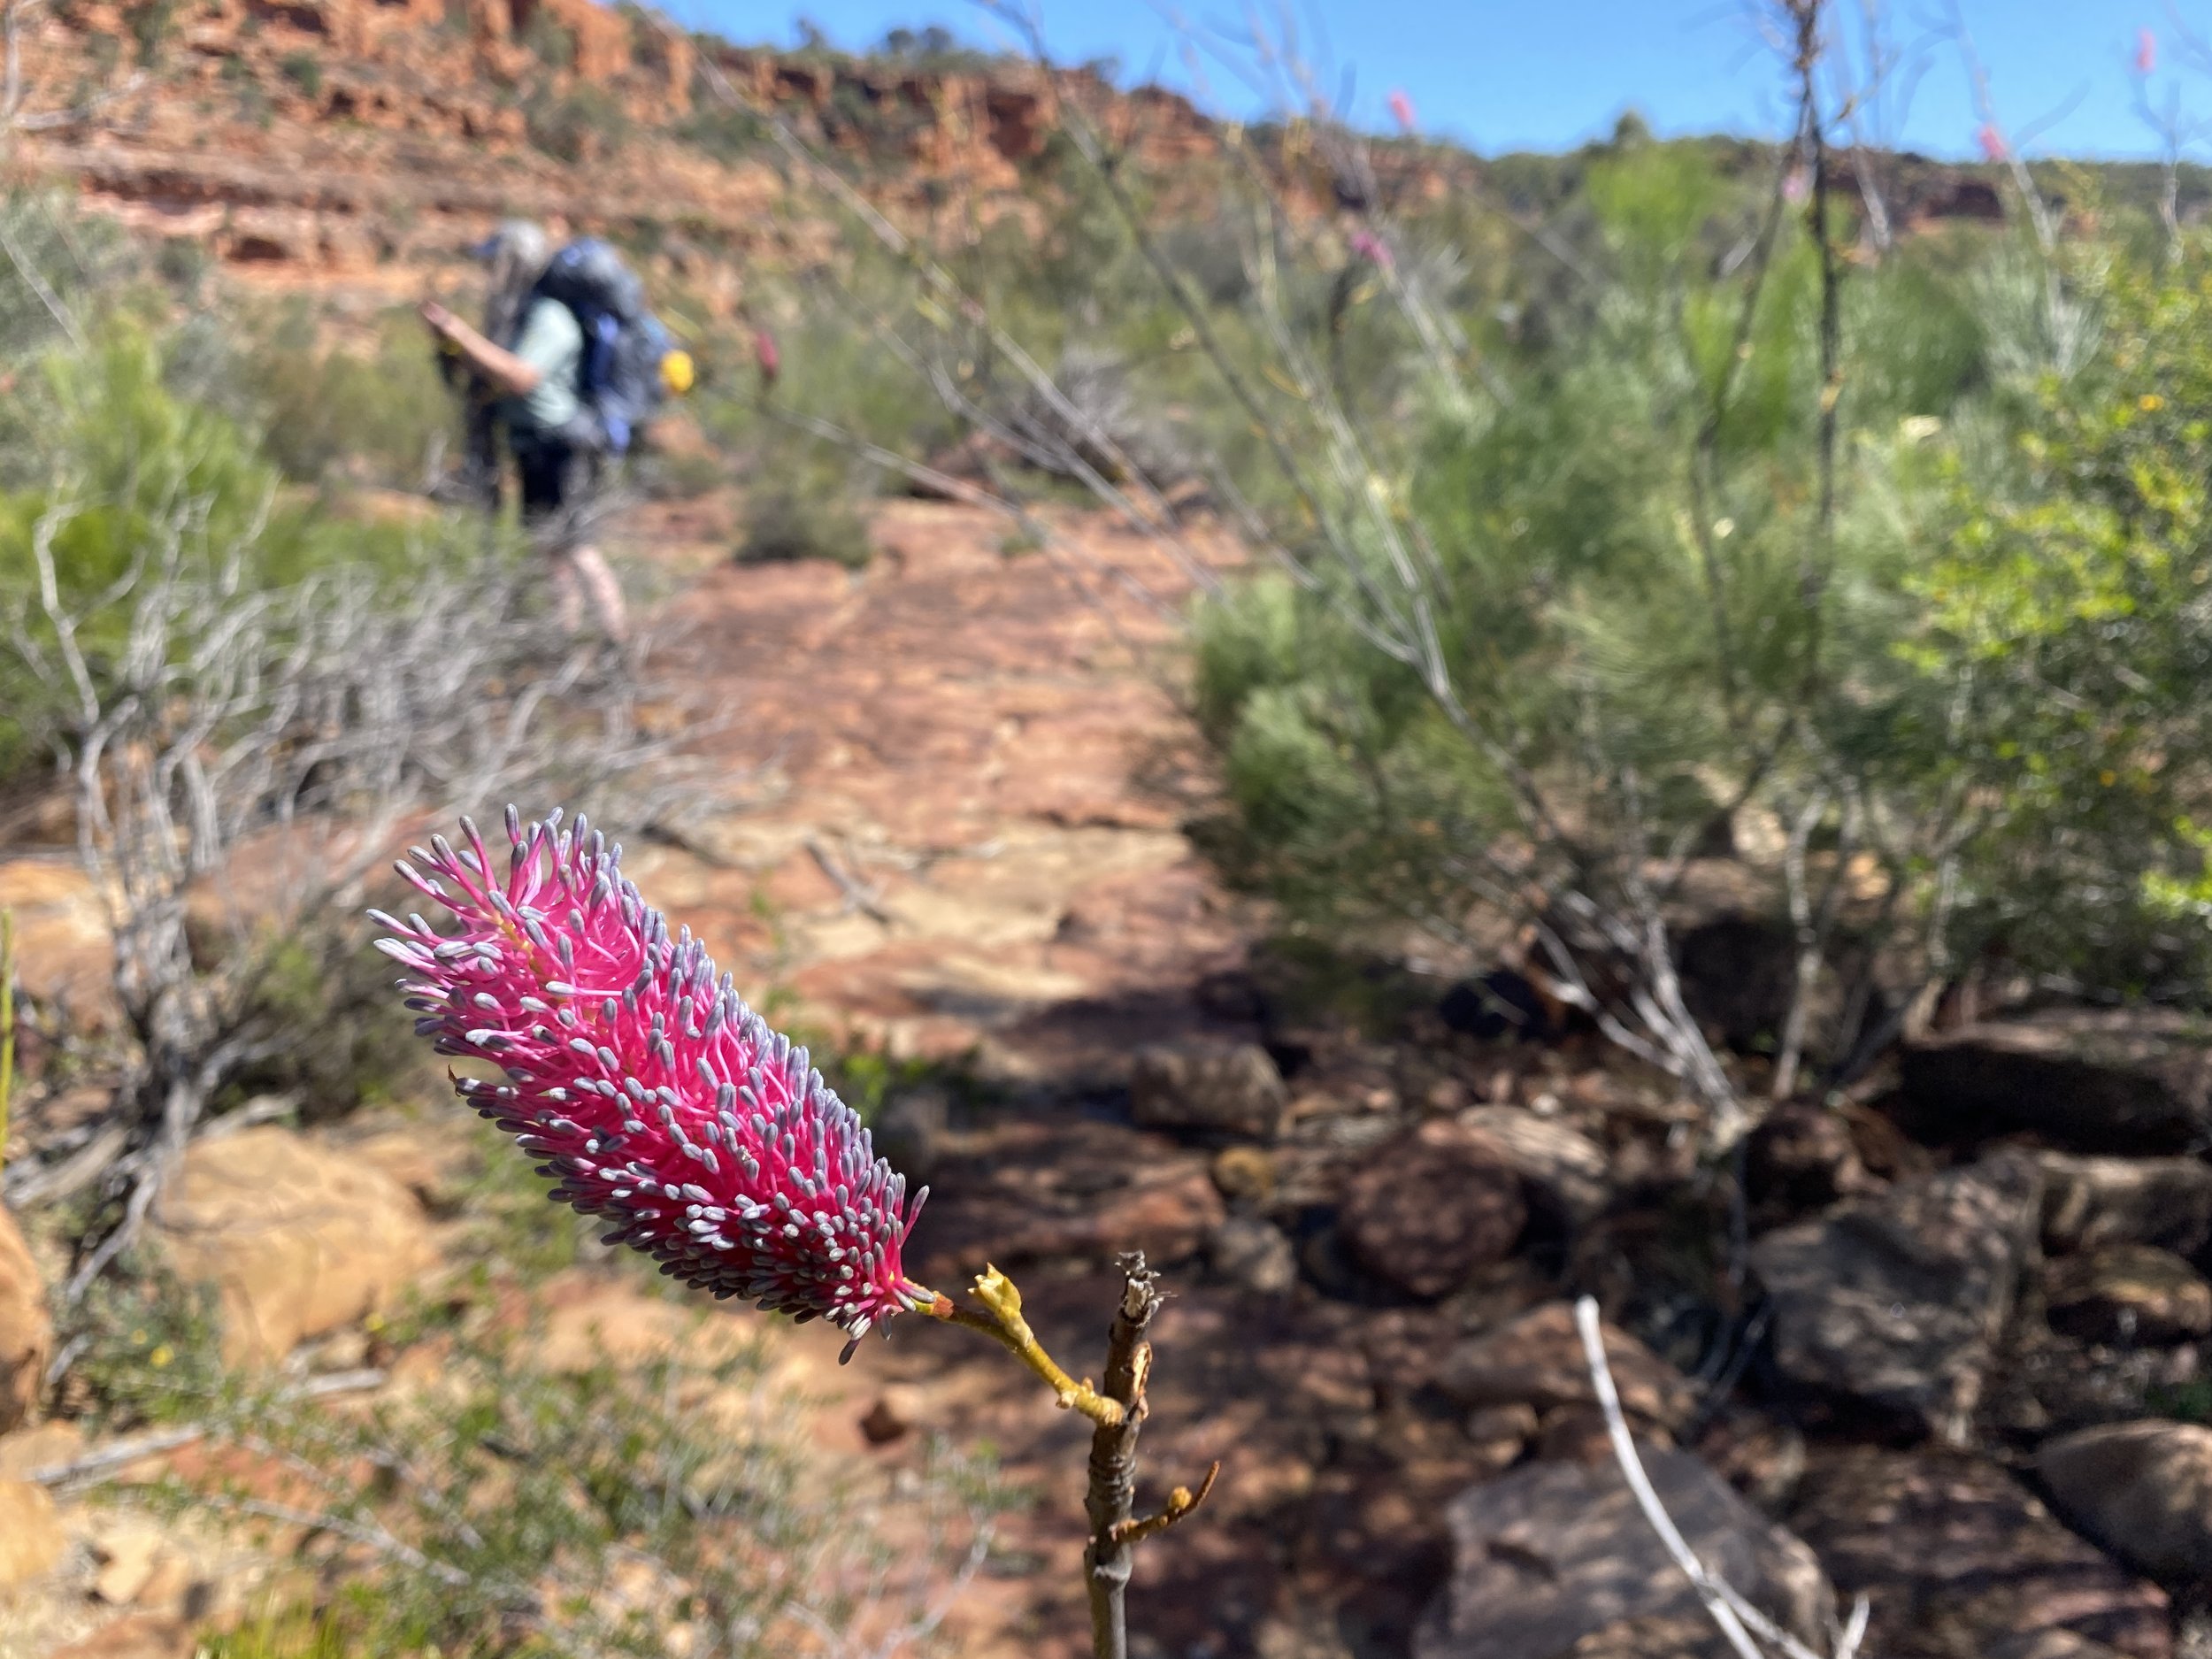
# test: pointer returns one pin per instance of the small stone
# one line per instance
(1253, 1254)
(2141, 1490)
(1515, 1422)
(1245, 1172)
(30, 1536)
(2129, 1294)
(126, 1552)
(1578, 1434)
(1209, 1088)
(895, 1414)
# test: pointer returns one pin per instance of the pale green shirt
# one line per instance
(552, 342)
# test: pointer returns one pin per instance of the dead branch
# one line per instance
(1738, 1620)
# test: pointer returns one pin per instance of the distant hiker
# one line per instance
(578, 366)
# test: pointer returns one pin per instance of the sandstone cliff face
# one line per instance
(365, 139)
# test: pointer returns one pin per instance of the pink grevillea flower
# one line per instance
(1371, 248)
(1401, 108)
(1992, 142)
(2146, 52)
(654, 1096)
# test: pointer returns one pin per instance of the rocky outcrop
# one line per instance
(297, 1239)
(1957, 1557)
(1896, 1303)
(2142, 1490)
(1556, 1555)
(2114, 1080)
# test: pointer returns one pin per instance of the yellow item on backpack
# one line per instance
(678, 372)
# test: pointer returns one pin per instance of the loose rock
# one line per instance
(1803, 1158)
(895, 1414)
(1566, 1173)
(27, 1335)
(1956, 1557)
(1555, 1554)
(2142, 1490)
(2129, 1294)
(297, 1240)
(1245, 1172)
(1432, 1206)
(2088, 1079)
(2090, 1202)
(1253, 1254)
(1536, 1362)
(1212, 1087)
(1897, 1302)
(31, 1535)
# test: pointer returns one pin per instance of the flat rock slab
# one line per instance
(1554, 1555)
(1957, 1557)
(2085, 1079)
(2144, 1490)
(295, 1238)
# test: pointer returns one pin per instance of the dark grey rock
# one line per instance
(1554, 1554)
(1231, 1088)
(1898, 1301)
(2087, 1079)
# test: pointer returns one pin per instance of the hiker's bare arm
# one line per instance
(506, 371)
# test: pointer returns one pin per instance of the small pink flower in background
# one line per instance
(1371, 248)
(2146, 52)
(654, 1095)
(1402, 109)
(767, 357)
(1993, 141)
(1797, 184)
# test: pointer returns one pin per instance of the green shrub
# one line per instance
(303, 70)
(326, 411)
(804, 520)
(585, 123)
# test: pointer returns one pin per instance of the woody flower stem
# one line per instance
(1116, 1412)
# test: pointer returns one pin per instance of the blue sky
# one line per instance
(1502, 74)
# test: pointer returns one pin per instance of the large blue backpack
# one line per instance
(620, 377)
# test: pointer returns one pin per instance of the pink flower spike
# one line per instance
(1372, 248)
(1993, 141)
(2146, 52)
(654, 1095)
(1402, 109)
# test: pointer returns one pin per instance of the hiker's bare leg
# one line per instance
(581, 572)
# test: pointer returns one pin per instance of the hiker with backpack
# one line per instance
(578, 365)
